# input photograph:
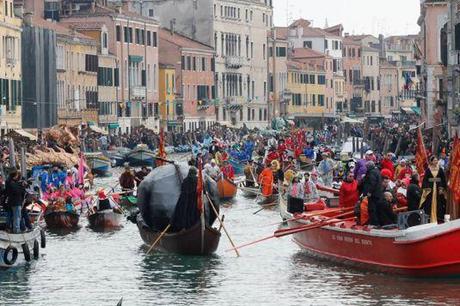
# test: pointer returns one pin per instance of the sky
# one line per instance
(388, 17)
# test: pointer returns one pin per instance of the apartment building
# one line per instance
(306, 83)
(167, 107)
(352, 72)
(277, 69)
(10, 68)
(237, 30)
(133, 40)
(389, 87)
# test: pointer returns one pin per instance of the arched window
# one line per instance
(443, 46)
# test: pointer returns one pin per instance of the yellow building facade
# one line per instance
(10, 68)
(167, 77)
(77, 87)
(307, 88)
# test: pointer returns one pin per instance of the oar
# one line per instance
(264, 206)
(158, 239)
(222, 224)
(282, 233)
(308, 215)
(278, 233)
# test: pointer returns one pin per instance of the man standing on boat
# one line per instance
(15, 191)
(250, 174)
(227, 170)
(266, 180)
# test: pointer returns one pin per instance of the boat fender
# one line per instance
(6, 254)
(26, 251)
(42, 239)
(36, 249)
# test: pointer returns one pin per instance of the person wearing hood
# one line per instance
(387, 163)
(348, 193)
(414, 193)
(372, 189)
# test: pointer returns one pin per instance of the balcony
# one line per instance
(359, 83)
(234, 103)
(138, 92)
(203, 104)
(11, 61)
(234, 61)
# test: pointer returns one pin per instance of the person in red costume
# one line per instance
(387, 163)
(272, 155)
(403, 170)
(348, 194)
(227, 170)
(282, 150)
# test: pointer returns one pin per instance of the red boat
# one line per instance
(429, 250)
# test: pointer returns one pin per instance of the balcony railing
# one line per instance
(234, 61)
(203, 104)
(11, 61)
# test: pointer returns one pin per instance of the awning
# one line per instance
(407, 110)
(98, 129)
(135, 58)
(113, 125)
(25, 134)
(416, 110)
(350, 120)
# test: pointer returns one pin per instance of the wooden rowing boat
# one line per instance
(105, 220)
(226, 188)
(141, 156)
(17, 249)
(185, 242)
(270, 201)
(61, 220)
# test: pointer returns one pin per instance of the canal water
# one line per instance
(89, 268)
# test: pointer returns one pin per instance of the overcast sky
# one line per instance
(389, 17)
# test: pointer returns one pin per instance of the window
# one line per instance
(130, 30)
(260, 114)
(203, 64)
(149, 38)
(137, 32)
(326, 44)
(321, 100)
(104, 40)
(189, 63)
(182, 62)
(118, 32)
(280, 51)
(116, 76)
(142, 37)
(151, 13)
(307, 44)
(154, 39)
(321, 79)
(263, 51)
(91, 63)
(105, 76)
(126, 34)
(312, 79)
(194, 63)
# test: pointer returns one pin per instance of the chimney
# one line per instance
(172, 25)
(347, 34)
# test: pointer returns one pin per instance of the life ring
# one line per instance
(42, 239)
(36, 249)
(7, 253)
(26, 251)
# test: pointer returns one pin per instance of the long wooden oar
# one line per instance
(159, 238)
(286, 232)
(279, 234)
(222, 224)
(308, 215)
(265, 206)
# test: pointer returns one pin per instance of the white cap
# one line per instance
(369, 152)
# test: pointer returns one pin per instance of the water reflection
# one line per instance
(14, 285)
(365, 288)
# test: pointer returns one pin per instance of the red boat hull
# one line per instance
(61, 220)
(105, 220)
(430, 251)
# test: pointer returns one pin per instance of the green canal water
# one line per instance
(89, 268)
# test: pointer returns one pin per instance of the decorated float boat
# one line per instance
(61, 220)
(226, 188)
(17, 249)
(99, 164)
(141, 156)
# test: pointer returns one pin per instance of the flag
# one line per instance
(408, 81)
(454, 180)
(421, 159)
(161, 148)
(199, 187)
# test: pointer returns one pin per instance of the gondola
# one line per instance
(141, 156)
(105, 219)
(226, 188)
(99, 164)
(61, 220)
(186, 242)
